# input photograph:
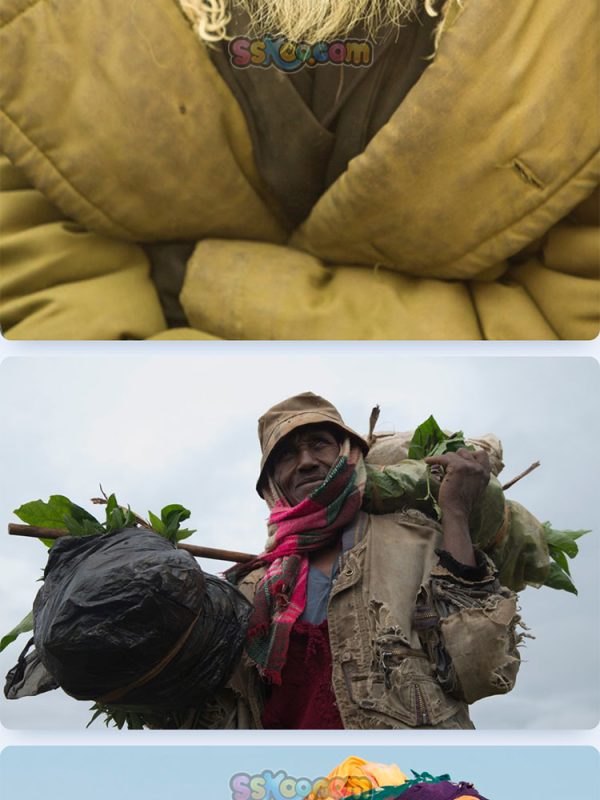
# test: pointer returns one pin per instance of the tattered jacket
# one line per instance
(412, 644)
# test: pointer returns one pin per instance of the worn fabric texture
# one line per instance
(334, 109)
(470, 214)
(390, 662)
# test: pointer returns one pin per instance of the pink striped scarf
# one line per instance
(294, 533)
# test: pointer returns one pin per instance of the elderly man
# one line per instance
(346, 620)
(364, 621)
(172, 170)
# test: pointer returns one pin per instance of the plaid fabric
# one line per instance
(294, 533)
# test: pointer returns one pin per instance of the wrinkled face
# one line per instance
(303, 459)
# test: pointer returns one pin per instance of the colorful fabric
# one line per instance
(424, 787)
(305, 700)
(357, 774)
(446, 790)
(294, 533)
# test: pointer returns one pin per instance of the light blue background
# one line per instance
(203, 773)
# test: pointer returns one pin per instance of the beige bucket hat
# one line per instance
(302, 409)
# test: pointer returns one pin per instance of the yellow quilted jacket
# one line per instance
(470, 215)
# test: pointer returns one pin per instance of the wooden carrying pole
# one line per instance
(34, 532)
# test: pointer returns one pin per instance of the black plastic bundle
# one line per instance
(127, 618)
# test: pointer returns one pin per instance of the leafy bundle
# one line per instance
(60, 513)
(525, 551)
(430, 440)
(132, 622)
(561, 544)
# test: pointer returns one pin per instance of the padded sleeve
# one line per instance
(61, 281)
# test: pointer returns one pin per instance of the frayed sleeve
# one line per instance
(467, 623)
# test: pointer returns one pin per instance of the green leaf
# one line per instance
(563, 540)
(157, 524)
(74, 527)
(456, 441)
(558, 579)
(25, 625)
(171, 532)
(116, 520)
(81, 515)
(59, 512)
(46, 515)
(174, 510)
(129, 519)
(425, 438)
(172, 516)
(429, 497)
(430, 440)
(134, 721)
(438, 450)
(83, 528)
(184, 533)
(560, 558)
(111, 504)
(120, 519)
(98, 711)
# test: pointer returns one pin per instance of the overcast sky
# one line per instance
(183, 430)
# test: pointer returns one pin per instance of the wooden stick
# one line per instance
(535, 465)
(373, 419)
(198, 551)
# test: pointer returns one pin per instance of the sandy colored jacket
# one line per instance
(469, 215)
(411, 644)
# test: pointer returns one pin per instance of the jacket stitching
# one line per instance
(476, 247)
(72, 187)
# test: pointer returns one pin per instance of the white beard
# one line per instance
(302, 20)
(322, 20)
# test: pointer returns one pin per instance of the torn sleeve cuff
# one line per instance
(480, 572)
